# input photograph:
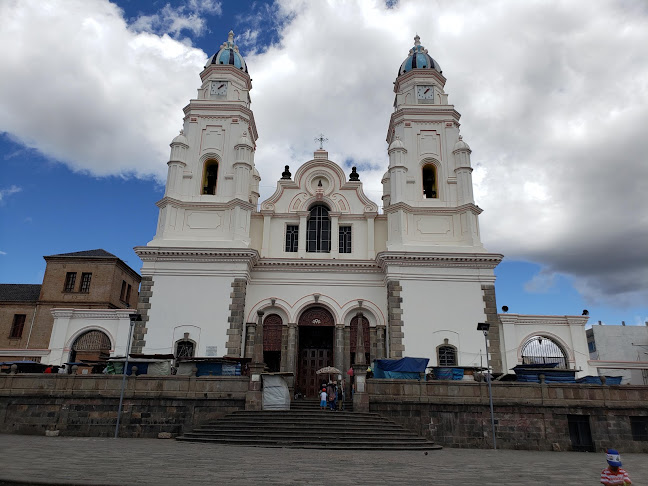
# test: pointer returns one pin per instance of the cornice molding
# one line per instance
(421, 259)
(339, 266)
(104, 314)
(202, 205)
(401, 206)
(228, 110)
(196, 255)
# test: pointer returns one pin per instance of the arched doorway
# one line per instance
(316, 332)
(272, 330)
(90, 346)
(543, 350)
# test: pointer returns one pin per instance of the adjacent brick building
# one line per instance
(93, 279)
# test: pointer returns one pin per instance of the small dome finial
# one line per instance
(417, 40)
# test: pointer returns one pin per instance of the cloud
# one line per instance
(4, 193)
(542, 282)
(553, 95)
(102, 98)
(3, 252)
(174, 20)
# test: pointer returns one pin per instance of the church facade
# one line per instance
(317, 260)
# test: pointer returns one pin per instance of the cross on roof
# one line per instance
(321, 139)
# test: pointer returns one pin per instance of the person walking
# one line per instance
(323, 399)
(613, 475)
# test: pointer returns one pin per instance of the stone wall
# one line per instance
(79, 405)
(528, 415)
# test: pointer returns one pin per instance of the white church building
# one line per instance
(317, 259)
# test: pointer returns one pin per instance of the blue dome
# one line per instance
(229, 54)
(418, 59)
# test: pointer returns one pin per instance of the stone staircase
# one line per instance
(305, 426)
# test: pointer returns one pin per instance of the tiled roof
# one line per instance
(87, 253)
(19, 292)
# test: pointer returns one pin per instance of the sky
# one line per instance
(553, 97)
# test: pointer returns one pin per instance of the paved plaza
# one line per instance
(104, 461)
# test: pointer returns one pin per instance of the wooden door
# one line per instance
(311, 360)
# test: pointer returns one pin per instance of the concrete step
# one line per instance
(331, 444)
(309, 429)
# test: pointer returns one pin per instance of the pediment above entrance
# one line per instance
(319, 180)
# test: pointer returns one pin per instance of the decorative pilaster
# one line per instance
(360, 397)
(143, 306)
(494, 343)
(338, 360)
(237, 309)
(291, 353)
(380, 342)
(254, 395)
(394, 314)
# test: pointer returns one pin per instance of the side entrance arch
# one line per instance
(90, 346)
(316, 336)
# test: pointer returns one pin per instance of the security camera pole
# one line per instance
(485, 326)
(133, 318)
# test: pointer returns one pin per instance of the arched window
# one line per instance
(318, 230)
(272, 331)
(91, 346)
(210, 177)
(185, 348)
(543, 350)
(447, 355)
(429, 181)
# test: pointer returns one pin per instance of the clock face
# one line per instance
(218, 88)
(425, 92)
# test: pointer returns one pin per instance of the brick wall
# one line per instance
(78, 405)
(528, 416)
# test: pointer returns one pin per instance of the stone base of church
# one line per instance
(453, 414)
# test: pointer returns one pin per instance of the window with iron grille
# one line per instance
(85, 282)
(17, 326)
(292, 238)
(318, 230)
(70, 280)
(345, 239)
(639, 426)
(447, 356)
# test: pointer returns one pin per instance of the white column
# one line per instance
(371, 246)
(335, 234)
(265, 246)
(301, 245)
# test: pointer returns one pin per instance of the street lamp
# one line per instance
(485, 326)
(133, 319)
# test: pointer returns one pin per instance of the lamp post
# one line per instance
(133, 319)
(485, 326)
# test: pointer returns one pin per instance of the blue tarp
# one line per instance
(596, 380)
(404, 368)
(441, 373)
(531, 373)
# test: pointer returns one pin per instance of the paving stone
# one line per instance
(108, 461)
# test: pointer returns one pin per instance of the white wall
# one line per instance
(69, 324)
(567, 331)
(194, 304)
(436, 310)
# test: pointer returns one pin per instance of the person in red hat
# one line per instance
(614, 475)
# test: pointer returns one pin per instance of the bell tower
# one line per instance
(427, 191)
(212, 186)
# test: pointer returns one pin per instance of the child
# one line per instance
(323, 399)
(613, 475)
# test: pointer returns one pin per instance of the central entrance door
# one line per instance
(316, 331)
